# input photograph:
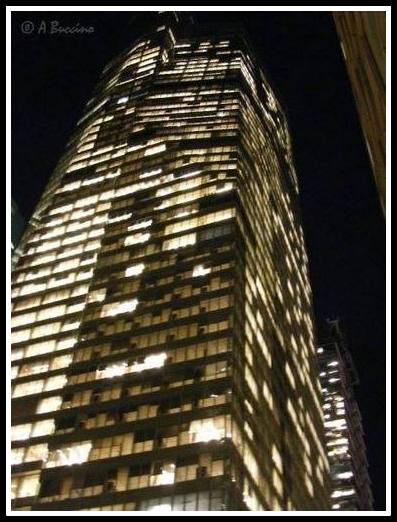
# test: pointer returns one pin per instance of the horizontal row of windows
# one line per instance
(28, 485)
(168, 245)
(88, 397)
(70, 293)
(63, 279)
(128, 413)
(90, 245)
(202, 431)
(157, 337)
(110, 310)
(57, 362)
(207, 372)
(140, 363)
(143, 440)
(98, 294)
(121, 413)
(202, 501)
(35, 332)
(65, 252)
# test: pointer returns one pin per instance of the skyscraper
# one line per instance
(350, 484)
(163, 350)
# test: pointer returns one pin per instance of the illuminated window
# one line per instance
(342, 493)
(136, 239)
(333, 363)
(343, 450)
(53, 383)
(20, 432)
(340, 441)
(150, 173)
(155, 150)
(134, 270)
(33, 368)
(17, 455)
(160, 508)
(45, 427)
(37, 429)
(205, 430)
(37, 452)
(249, 378)
(25, 485)
(28, 388)
(97, 296)
(200, 221)
(114, 370)
(179, 242)
(167, 475)
(199, 271)
(309, 485)
(337, 423)
(344, 475)
(121, 217)
(141, 224)
(189, 174)
(74, 454)
(277, 458)
(49, 404)
(290, 375)
(225, 187)
(119, 308)
(121, 368)
(150, 362)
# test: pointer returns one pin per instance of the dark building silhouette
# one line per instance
(17, 228)
(363, 39)
(163, 349)
(350, 483)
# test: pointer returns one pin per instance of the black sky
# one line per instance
(53, 77)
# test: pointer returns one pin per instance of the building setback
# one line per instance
(163, 350)
(350, 484)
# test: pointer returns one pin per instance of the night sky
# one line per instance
(53, 77)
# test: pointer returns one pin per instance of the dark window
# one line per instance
(50, 487)
(189, 460)
(65, 423)
(140, 469)
(147, 434)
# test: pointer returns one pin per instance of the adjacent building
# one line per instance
(163, 356)
(363, 40)
(350, 483)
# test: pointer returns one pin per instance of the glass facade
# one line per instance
(163, 352)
